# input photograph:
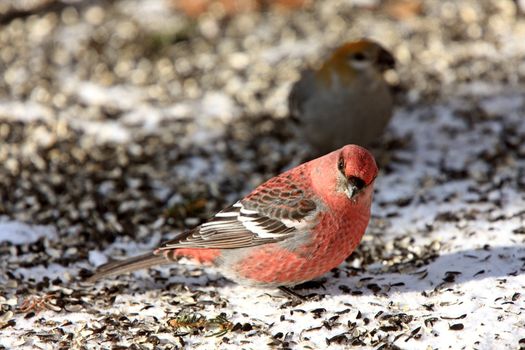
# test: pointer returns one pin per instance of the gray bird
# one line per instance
(346, 100)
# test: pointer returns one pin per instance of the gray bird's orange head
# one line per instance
(353, 58)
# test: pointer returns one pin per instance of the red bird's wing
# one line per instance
(267, 215)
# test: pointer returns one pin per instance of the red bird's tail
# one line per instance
(128, 265)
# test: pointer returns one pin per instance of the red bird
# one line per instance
(291, 229)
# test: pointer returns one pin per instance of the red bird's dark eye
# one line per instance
(341, 165)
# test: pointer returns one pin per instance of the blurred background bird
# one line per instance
(346, 100)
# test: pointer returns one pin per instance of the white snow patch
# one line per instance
(219, 105)
(19, 233)
(502, 105)
(37, 273)
(26, 111)
(291, 49)
(97, 258)
(146, 116)
(124, 97)
(107, 131)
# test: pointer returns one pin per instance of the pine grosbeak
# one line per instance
(291, 229)
(346, 100)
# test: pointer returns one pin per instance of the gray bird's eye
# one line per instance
(359, 56)
(359, 60)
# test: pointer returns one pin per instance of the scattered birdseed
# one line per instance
(124, 122)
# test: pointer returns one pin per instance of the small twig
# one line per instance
(39, 303)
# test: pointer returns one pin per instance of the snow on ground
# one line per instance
(18, 233)
(468, 296)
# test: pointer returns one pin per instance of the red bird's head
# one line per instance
(351, 170)
(356, 169)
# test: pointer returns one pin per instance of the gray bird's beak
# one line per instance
(385, 60)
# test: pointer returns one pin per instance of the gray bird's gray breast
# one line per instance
(346, 114)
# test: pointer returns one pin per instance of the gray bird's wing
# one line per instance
(300, 93)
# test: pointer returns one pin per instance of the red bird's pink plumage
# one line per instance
(291, 229)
